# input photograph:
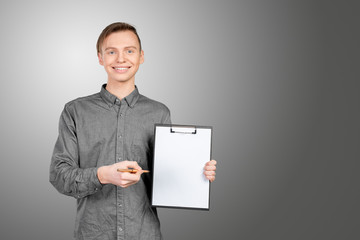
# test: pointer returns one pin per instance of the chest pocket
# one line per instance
(140, 153)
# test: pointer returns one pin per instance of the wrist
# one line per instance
(101, 174)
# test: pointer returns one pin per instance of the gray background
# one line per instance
(278, 81)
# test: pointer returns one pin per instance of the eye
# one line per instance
(110, 52)
(129, 51)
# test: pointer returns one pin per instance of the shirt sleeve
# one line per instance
(65, 174)
(167, 117)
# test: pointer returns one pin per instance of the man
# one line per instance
(106, 131)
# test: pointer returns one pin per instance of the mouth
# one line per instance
(121, 69)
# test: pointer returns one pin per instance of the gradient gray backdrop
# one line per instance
(278, 81)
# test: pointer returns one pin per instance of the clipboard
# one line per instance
(180, 154)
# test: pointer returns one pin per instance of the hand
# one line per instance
(209, 170)
(109, 174)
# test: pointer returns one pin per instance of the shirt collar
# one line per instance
(110, 99)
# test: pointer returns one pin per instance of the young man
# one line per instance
(106, 131)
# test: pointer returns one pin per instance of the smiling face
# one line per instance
(121, 56)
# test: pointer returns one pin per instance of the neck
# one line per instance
(120, 89)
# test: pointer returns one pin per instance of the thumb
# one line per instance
(133, 164)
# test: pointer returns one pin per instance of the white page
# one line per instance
(179, 161)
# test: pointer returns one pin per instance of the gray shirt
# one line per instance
(100, 130)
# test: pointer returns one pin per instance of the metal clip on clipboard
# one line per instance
(183, 129)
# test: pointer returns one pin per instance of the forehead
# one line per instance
(121, 39)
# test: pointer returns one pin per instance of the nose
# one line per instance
(121, 57)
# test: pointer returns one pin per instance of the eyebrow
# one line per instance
(108, 48)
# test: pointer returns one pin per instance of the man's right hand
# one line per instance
(109, 174)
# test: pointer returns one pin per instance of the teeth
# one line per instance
(121, 68)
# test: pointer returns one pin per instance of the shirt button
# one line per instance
(120, 229)
(119, 159)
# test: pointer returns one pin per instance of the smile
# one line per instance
(121, 69)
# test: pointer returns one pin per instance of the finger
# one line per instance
(210, 168)
(131, 176)
(211, 178)
(210, 173)
(128, 184)
(211, 163)
(133, 164)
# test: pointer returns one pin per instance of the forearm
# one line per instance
(73, 181)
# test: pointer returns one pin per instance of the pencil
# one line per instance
(131, 170)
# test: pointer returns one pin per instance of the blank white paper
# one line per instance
(179, 160)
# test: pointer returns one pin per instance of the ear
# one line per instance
(100, 59)
(142, 57)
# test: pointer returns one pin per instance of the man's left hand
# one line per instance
(209, 170)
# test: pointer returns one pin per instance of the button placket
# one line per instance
(120, 157)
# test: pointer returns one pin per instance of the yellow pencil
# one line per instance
(132, 170)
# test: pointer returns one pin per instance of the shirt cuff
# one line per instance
(97, 184)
